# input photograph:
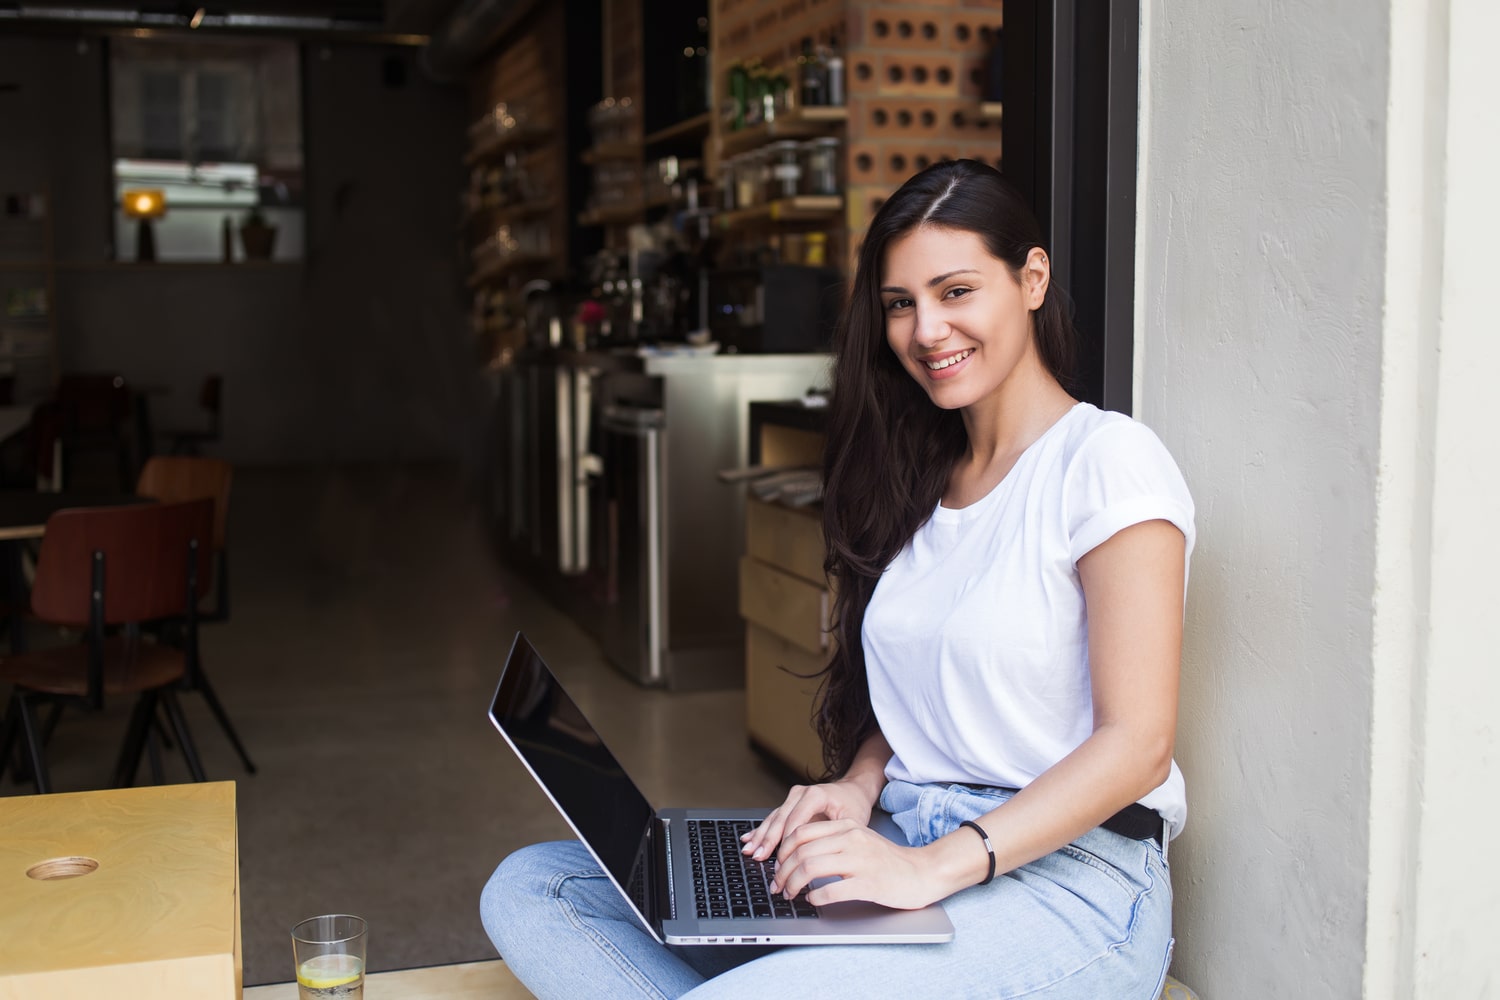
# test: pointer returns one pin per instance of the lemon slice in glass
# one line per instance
(324, 972)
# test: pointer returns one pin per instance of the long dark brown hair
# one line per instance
(890, 451)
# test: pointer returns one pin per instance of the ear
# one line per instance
(1036, 275)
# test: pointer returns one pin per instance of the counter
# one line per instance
(604, 493)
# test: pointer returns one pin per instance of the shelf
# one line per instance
(798, 124)
(803, 208)
(615, 215)
(496, 270)
(502, 214)
(991, 110)
(606, 152)
(502, 143)
(696, 127)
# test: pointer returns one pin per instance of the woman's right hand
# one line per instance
(843, 799)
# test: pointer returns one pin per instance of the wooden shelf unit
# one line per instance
(696, 127)
(802, 123)
(491, 149)
(802, 208)
(523, 73)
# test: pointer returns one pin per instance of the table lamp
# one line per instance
(144, 205)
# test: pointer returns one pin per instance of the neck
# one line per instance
(1005, 424)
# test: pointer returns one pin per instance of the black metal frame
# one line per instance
(1069, 134)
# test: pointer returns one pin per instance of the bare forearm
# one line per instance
(1110, 770)
(868, 769)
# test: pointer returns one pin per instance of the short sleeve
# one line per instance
(1122, 475)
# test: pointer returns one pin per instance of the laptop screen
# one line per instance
(570, 761)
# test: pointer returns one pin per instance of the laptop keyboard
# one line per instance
(727, 883)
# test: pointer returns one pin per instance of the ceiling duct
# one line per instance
(473, 27)
(266, 17)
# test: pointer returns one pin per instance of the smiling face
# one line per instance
(957, 317)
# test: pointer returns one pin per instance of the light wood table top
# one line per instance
(467, 981)
(129, 893)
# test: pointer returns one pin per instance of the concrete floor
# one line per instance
(368, 628)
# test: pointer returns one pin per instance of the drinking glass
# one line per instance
(330, 957)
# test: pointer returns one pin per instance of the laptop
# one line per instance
(681, 870)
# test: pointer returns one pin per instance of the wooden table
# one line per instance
(468, 981)
(151, 909)
(24, 513)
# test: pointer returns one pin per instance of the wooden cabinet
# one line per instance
(784, 597)
(785, 603)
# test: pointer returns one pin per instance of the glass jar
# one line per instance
(820, 165)
(783, 170)
(729, 170)
(747, 182)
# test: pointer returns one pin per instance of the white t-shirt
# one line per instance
(976, 638)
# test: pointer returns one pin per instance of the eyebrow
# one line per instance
(933, 282)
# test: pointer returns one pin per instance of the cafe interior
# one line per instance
(342, 341)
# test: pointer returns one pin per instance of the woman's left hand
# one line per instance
(869, 867)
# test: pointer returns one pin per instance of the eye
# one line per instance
(957, 292)
(895, 304)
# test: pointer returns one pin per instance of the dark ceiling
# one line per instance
(395, 17)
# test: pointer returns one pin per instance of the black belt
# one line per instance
(1135, 821)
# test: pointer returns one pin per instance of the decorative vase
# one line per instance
(258, 239)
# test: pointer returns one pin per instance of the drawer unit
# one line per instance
(784, 604)
(778, 702)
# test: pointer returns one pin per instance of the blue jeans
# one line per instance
(1091, 920)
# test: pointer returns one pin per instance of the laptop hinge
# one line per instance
(666, 885)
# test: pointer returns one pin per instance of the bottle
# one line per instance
(810, 76)
(739, 94)
(834, 91)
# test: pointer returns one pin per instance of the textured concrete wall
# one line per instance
(1258, 360)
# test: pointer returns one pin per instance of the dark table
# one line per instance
(24, 513)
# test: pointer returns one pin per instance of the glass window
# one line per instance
(214, 127)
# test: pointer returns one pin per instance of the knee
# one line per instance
(516, 888)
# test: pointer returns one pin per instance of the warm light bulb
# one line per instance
(143, 203)
(197, 18)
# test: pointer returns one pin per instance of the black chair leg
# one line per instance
(223, 717)
(184, 739)
(129, 760)
(34, 746)
(153, 752)
(9, 729)
(53, 718)
(160, 728)
(23, 765)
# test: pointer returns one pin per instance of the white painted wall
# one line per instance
(1436, 681)
(1316, 235)
(1261, 275)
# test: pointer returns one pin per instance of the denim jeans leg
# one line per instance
(1090, 920)
(565, 932)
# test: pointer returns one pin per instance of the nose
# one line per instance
(930, 329)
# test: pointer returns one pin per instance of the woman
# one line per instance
(1010, 567)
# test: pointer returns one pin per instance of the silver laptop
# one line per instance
(680, 869)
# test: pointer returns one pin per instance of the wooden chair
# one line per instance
(173, 478)
(108, 570)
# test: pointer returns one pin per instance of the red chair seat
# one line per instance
(130, 667)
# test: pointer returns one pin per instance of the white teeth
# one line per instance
(938, 366)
